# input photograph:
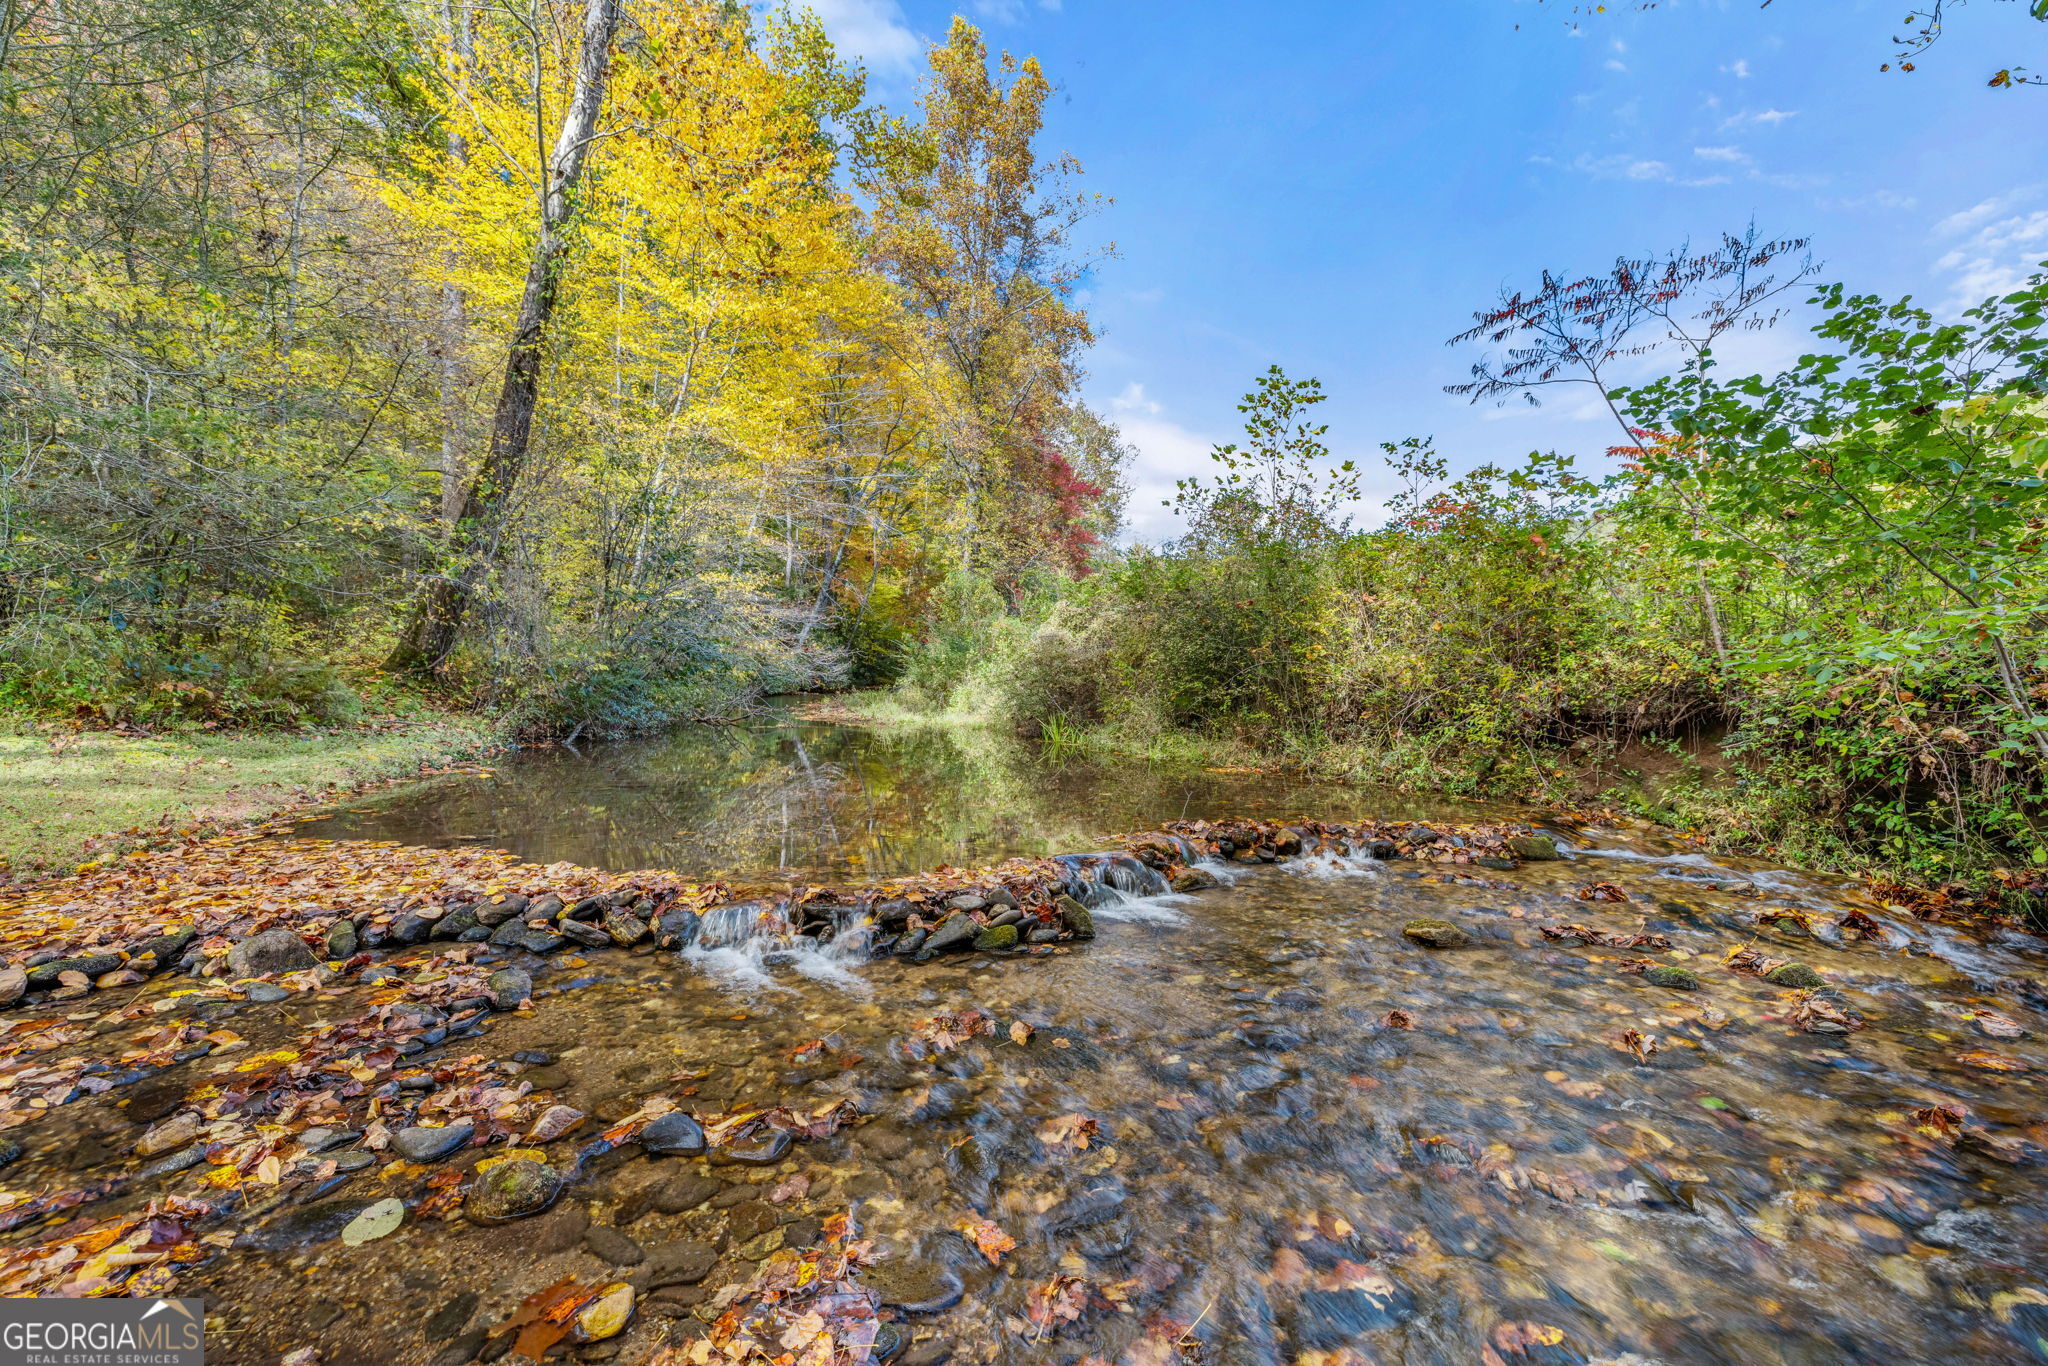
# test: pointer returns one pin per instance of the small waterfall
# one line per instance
(738, 944)
(1341, 861)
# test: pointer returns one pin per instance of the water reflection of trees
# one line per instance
(816, 802)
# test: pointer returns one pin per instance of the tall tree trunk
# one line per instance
(453, 306)
(474, 540)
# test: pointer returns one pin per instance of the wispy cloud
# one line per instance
(1759, 118)
(875, 31)
(1010, 11)
(1729, 154)
(1739, 68)
(1624, 167)
(2001, 243)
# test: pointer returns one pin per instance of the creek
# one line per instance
(1316, 1142)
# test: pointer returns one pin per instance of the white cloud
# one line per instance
(1759, 117)
(1009, 11)
(2001, 246)
(1734, 154)
(1165, 453)
(1613, 65)
(1621, 167)
(1739, 68)
(875, 31)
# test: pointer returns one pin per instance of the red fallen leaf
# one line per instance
(1861, 925)
(1398, 1019)
(446, 1191)
(1613, 939)
(988, 1239)
(1988, 1061)
(1747, 962)
(1060, 1300)
(545, 1317)
(1068, 1131)
(1518, 1340)
(1942, 1121)
(805, 1052)
(1601, 891)
(946, 1032)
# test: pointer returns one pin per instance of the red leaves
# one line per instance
(988, 1239)
(1060, 1301)
(1601, 891)
(1641, 1046)
(545, 1317)
(1397, 1019)
(1819, 1015)
(947, 1032)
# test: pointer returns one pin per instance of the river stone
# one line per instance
(1436, 934)
(1095, 1204)
(607, 1314)
(915, 1287)
(271, 951)
(456, 923)
(1673, 976)
(968, 901)
(996, 937)
(182, 1160)
(341, 939)
(956, 931)
(512, 1190)
(13, 984)
(316, 1223)
(1795, 975)
(685, 1193)
(410, 927)
(46, 974)
(1078, 917)
(911, 943)
(589, 936)
(540, 941)
(679, 1264)
(625, 928)
(677, 928)
(421, 1144)
(888, 1344)
(1042, 934)
(268, 993)
(509, 934)
(174, 1132)
(1192, 880)
(508, 987)
(610, 1245)
(1009, 915)
(498, 912)
(673, 1135)
(936, 1352)
(1533, 848)
(765, 1152)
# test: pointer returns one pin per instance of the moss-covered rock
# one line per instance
(1673, 976)
(512, 1190)
(1533, 848)
(996, 937)
(1795, 975)
(1078, 917)
(1436, 934)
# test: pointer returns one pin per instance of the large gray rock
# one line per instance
(430, 1145)
(956, 931)
(272, 951)
(512, 1190)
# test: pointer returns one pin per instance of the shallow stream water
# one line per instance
(1319, 1143)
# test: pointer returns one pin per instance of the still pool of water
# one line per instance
(1319, 1144)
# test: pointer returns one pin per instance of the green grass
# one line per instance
(68, 797)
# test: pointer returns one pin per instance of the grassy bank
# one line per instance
(67, 797)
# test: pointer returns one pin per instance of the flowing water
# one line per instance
(1318, 1143)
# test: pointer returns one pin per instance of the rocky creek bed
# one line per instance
(1359, 1092)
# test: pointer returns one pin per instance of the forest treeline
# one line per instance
(1804, 615)
(597, 364)
(591, 363)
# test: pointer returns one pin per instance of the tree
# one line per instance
(1278, 489)
(475, 542)
(1900, 481)
(1924, 28)
(1578, 331)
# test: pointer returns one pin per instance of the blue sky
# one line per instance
(1335, 187)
